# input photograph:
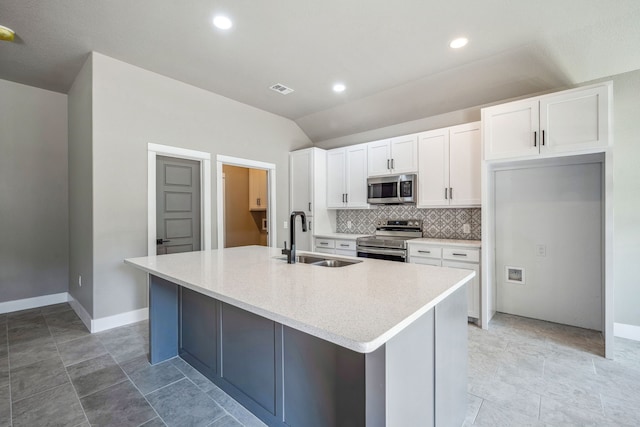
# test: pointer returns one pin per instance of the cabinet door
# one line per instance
(404, 154)
(336, 164)
(433, 168)
(356, 168)
(464, 165)
(379, 158)
(301, 171)
(575, 120)
(257, 189)
(511, 130)
(473, 287)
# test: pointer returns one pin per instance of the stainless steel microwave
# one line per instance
(392, 190)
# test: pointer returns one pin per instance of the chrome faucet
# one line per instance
(291, 253)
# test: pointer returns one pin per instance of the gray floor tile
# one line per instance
(119, 405)
(226, 421)
(61, 318)
(35, 378)
(621, 412)
(473, 406)
(55, 407)
(149, 378)
(190, 372)
(26, 353)
(234, 408)
(28, 333)
(4, 372)
(184, 404)
(494, 415)
(55, 308)
(95, 374)
(156, 422)
(5, 407)
(69, 331)
(555, 412)
(510, 397)
(81, 349)
(127, 342)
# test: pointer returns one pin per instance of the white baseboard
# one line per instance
(27, 303)
(122, 319)
(631, 332)
(81, 312)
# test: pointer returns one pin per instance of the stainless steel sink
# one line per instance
(323, 262)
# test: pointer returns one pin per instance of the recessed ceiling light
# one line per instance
(222, 22)
(339, 87)
(6, 34)
(458, 43)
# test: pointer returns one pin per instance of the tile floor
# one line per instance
(521, 372)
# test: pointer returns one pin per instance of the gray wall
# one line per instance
(34, 242)
(133, 107)
(626, 130)
(80, 188)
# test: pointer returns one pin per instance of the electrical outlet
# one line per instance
(466, 228)
(541, 250)
(286, 225)
(349, 225)
(79, 280)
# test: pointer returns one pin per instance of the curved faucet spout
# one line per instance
(291, 253)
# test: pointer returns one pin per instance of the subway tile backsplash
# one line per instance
(437, 223)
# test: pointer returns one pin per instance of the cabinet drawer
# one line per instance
(468, 255)
(425, 251)
(426, 261)
(346, 245)
(325, 243)
(325, 250)
(346, 252)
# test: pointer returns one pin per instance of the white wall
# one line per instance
(133, 107)
(34, 233)
(81, 188)
(559, 207)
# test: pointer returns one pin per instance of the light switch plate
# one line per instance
(541, 250)
(285, 225)
(466, 228)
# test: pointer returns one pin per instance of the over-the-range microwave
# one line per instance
(392, 190)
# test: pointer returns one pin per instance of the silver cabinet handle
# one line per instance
(346, 197)
(392, 163)
(450, 193)
(445, 194)
(535, 138)
(458, 254)
(324, 243)
(425, 252)
(344, 245)
(388, 161)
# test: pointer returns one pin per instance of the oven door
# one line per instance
(399, 255)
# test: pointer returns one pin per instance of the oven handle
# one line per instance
(401, 253)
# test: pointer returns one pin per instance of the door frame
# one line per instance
(271, 194)
(154, 150)
(488, 287)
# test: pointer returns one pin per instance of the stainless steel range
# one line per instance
(390, 240)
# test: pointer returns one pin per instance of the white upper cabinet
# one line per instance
(572, 121)
(393, 156)
(347, 177)
(257, 190)
(449, 166)
(300, 180)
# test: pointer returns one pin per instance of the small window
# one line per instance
(515, 275)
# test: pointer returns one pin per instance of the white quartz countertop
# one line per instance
(342, 236)
(359, 307)
(447, 242)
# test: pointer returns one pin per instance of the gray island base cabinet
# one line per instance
(290, 378)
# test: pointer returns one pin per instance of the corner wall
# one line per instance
(133, 107)
(81, 188)
(34, 232)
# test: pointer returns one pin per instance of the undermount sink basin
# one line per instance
(323, 262)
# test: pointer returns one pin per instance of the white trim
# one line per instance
(631, 332)
(117, 320)
(205, 177)
(271, 202)
(34, 302)
(81, 312)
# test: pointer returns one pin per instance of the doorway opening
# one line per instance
(245, 202)
(174, 189)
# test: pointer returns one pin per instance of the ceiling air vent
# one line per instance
(280, 88)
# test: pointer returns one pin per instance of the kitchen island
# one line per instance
(370, 344)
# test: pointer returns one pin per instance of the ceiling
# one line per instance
(393, 56)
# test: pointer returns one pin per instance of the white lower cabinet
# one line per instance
(343, 247)
(441, 255)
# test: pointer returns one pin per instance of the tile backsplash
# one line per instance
(436, 223)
